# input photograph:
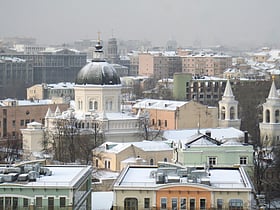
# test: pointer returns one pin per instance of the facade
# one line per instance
(170, 115)
(201, 150)
(228, 109)
(16, 114)
(206, 64)
(116, 156)
(54, 65)
(159, 65)
(13, 73)
(175, 187)
(63, 90)
(270, 126)
(33, 185)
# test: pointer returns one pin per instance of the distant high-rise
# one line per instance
(112, 51)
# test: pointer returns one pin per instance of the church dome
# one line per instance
(98, 72)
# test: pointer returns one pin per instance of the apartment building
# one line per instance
(171, 186)
(159, 64)
(16, 114)
(206, 64)
(171, 115)
(34, 185)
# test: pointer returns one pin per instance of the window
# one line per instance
(163, 203)
(235, 204)
(212, 161)
(183, 203)
(232, 113)
(51, 203)
(15, 202)
(267, 116)
(21, 122)
(90, 105)
(202, 204)
(130, 204)
(151, 162)
(243, 160)
(27, 121)
(174, 203)
(164, 159)
(96, 163)
(223, 113)
(192, 204)
(1, 203)
(159, 123)
(14, 123)
(277, 116)
(25, 202)
(38, 201)
(219, 204)
(62, 202)
(8, 202)
(146, 202)
(165, 123)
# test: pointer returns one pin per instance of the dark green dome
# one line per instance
(98, 73)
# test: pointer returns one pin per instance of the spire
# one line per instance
(57, 111)
(49, 113)
(98, 55)
(273, 91)
(228, 91)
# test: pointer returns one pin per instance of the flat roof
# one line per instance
(225, 178)
(62, 176)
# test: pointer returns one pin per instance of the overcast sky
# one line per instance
(208, 22)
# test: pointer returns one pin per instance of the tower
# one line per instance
(228, 109)
(270, 126)
(112, 53)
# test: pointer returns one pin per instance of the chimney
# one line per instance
(246, 137)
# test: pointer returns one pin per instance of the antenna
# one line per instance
(98, 35)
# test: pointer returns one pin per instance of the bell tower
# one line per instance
(228, 109)
(270, 126)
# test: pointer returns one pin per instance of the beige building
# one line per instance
(64, 90)
(171, 115)
(206, 64)
(159, 64)
(116, 156)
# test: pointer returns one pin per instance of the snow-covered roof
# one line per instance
(62, 85)
(219, 178)
(220, 134)
(102, 200)
(159, 104)
(26, 102)
(61, 176)
(115, 147)
(11, 59)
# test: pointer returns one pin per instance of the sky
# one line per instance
(189, 22)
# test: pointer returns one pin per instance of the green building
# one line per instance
(31, 185)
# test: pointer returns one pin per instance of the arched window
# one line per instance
(90, 105)
(277, 116)
(95, 105)
(165, 159)
(96, 163)
(267, 116)
(151, 161)
(223, 113)
(130, 204)
(232, 113)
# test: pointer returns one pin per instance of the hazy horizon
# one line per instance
(232, 22)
